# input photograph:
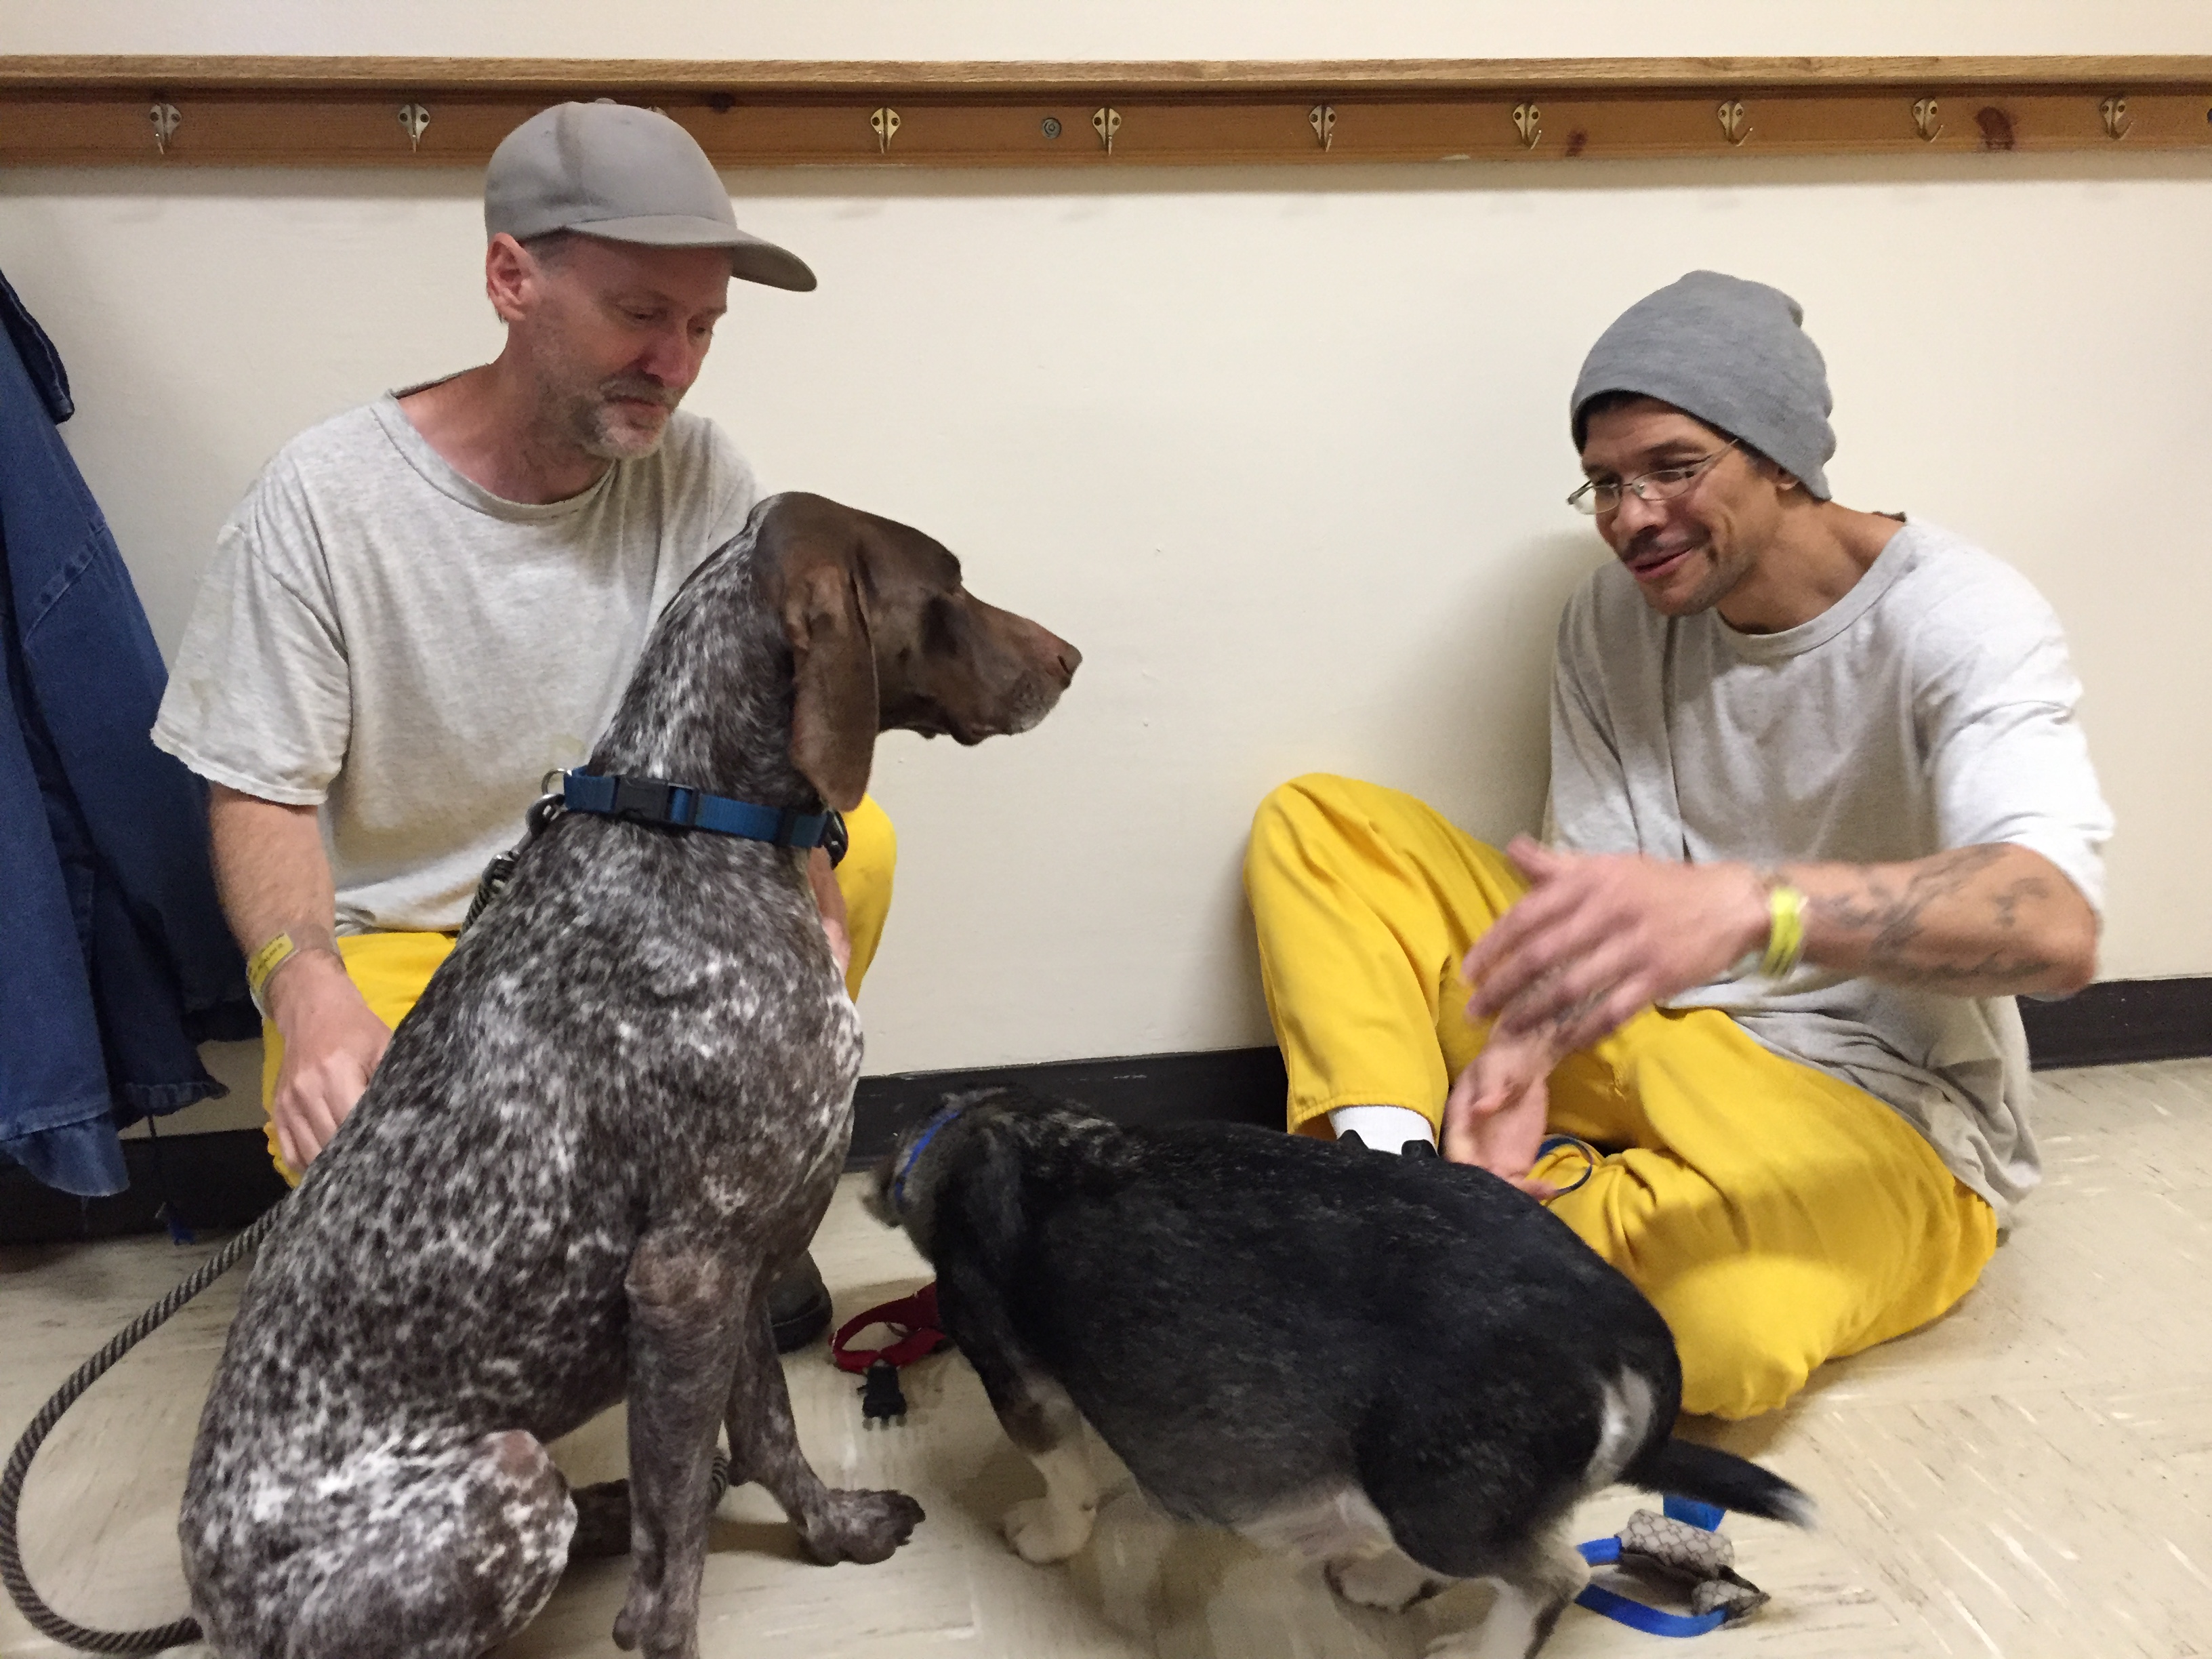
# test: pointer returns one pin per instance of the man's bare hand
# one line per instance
(1494, 1116)
(1598, 937)
(332, 1044)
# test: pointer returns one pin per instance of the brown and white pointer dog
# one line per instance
(616, 1114)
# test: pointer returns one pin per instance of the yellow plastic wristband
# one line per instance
(1786, 933)
(262, 964)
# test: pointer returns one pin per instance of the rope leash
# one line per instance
(42, 1618)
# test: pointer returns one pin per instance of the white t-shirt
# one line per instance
(1931, 708)
(382, 638)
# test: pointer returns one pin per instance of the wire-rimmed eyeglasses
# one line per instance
(1661, 483)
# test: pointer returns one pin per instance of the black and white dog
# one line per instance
(1402, 1369)
(615, 1116)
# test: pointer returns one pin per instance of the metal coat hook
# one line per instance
(414, 120)
(886, 121)
(1924, 122)
(2115, 112)
(1321, 118)
(166, 121)
(1106, 122)
(1529, 122)
(1733, 122)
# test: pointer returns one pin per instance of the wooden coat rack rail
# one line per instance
(385, 111)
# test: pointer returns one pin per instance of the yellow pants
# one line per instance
(391, 969)
(1778, 1217)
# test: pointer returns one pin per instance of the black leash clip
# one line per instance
(882, 1400)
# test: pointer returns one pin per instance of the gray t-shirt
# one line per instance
(1931, 708)
(380, 637)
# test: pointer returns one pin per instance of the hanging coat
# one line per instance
(114, 961)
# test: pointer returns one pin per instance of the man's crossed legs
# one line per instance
(1777, 1216)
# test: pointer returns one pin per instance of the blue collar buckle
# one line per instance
(645, 801)
(661, 804)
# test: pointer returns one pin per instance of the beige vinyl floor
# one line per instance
(2032, 1476)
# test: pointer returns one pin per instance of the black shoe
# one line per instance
(1408, 1149)
(799, 1305)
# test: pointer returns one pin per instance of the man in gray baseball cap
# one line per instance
(426, 604)
(1819, 810)
(625, 175)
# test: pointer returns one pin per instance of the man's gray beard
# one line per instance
(592, 424)
(584, 418)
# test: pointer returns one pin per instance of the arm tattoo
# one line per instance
(1892, 918)
(2007, 901)
(1994, 970)
(1893, 915)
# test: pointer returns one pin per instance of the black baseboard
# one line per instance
(2120, 1021)
(224, 1180)
(1236, 1085)
(219, 1181)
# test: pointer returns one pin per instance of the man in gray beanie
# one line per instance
(1819, 811)
(425, 604)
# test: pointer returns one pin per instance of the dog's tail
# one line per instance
(1713, 1476)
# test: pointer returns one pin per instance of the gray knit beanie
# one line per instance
(1729, 352)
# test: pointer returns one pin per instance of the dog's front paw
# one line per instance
(1043, 1532)
(861, 1525)
(647, 1624)
(1391, 1580)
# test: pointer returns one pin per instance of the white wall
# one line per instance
(1107, 29)
(1282, 452)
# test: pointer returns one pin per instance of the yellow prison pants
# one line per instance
(1777, 1216)
(391, 969)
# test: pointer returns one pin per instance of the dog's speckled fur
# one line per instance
(618, 1112)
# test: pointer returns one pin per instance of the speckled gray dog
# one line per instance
(616, 1114)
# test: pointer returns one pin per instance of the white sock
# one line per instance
(1383, 1128)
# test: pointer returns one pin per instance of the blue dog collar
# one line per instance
(676, 806)
(1553, 1143)
(913, 1153)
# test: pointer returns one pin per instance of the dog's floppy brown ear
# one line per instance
(834, 713)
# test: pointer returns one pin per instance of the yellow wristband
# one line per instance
(264, 962)
(1786, 932)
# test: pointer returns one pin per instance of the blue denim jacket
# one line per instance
(114, 960)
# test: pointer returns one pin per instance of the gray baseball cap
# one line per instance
(627, 174)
